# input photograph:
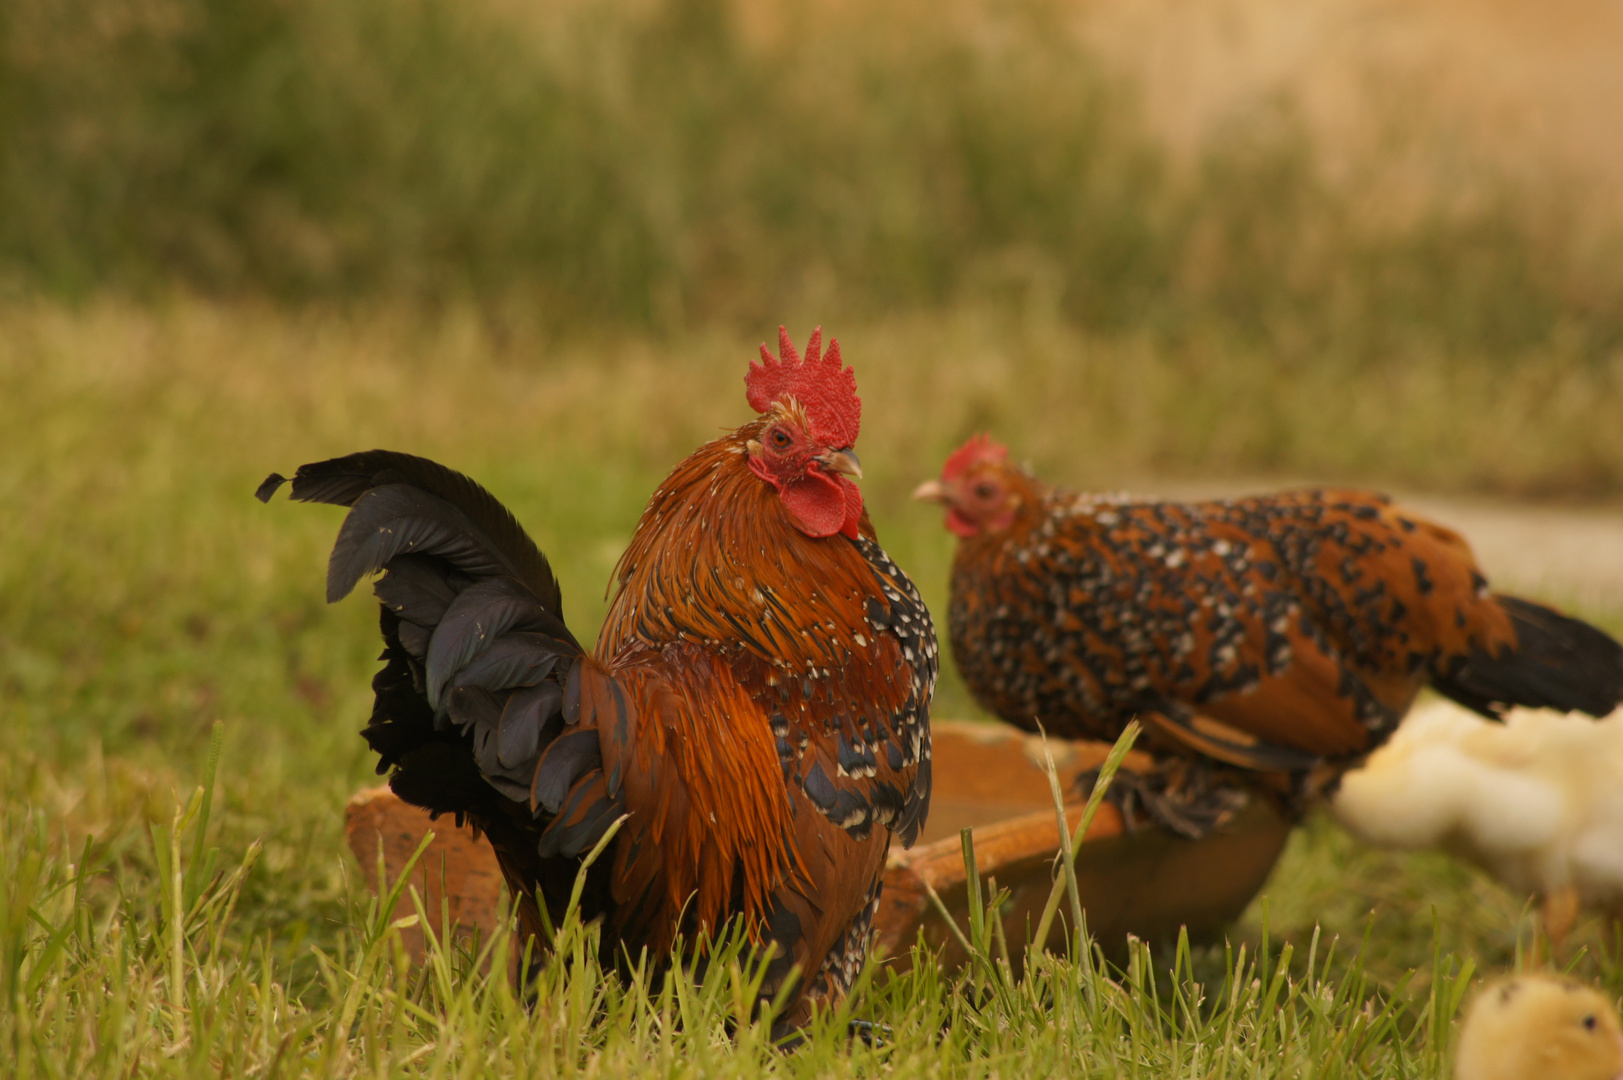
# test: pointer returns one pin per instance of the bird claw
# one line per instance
(1188, 798)
(872, 1035)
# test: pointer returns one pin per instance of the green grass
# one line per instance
(109, 971)
(147, 597)
(160, 978)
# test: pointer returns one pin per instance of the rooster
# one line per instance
(757, 708)
(1275, 639)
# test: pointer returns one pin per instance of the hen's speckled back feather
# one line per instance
(1277, 633)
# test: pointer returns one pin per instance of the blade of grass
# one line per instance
(1065, 882)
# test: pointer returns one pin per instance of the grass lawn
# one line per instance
(145, 598)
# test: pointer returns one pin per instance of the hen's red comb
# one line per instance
(980, 448)
(826, 390)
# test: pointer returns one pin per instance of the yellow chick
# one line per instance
(1540, 1027)
(1537, 801)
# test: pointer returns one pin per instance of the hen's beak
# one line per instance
(843, 462)
(931, 491)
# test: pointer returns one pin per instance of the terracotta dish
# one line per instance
(987, 776)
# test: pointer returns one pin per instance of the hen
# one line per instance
(757, 705)
(1282, 635)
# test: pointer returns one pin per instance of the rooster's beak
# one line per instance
(931, 491)
(843, 462)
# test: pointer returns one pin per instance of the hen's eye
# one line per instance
(780, 439)
(1589, 1022)
(984, 491)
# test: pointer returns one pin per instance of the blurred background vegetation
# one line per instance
(540, 240)
(664, 167)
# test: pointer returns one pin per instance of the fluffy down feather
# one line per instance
(1540, 1027)
(1537, 801)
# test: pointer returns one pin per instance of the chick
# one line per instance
(1537, 801)
(1540, 1027)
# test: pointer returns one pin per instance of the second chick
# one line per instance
(1540, 1027)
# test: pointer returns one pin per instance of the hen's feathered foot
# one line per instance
(871, 1034)
(1185, 796)
(867, 1032)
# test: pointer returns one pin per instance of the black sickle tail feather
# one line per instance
(469, 711)
(493, 530)
(1559, 663)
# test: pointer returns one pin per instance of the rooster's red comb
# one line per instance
(825, 389)
(980, 448)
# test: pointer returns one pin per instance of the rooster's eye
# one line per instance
(984, 491)
(780, 439)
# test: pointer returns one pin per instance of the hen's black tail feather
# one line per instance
(1558, 663)
(469, 715)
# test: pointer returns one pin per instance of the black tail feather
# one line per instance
(477, 619)
(469, 716)
(342, 481)
(475, 648)
(401, 719)
(1558, 663)
(418, 589)
(394, 520)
